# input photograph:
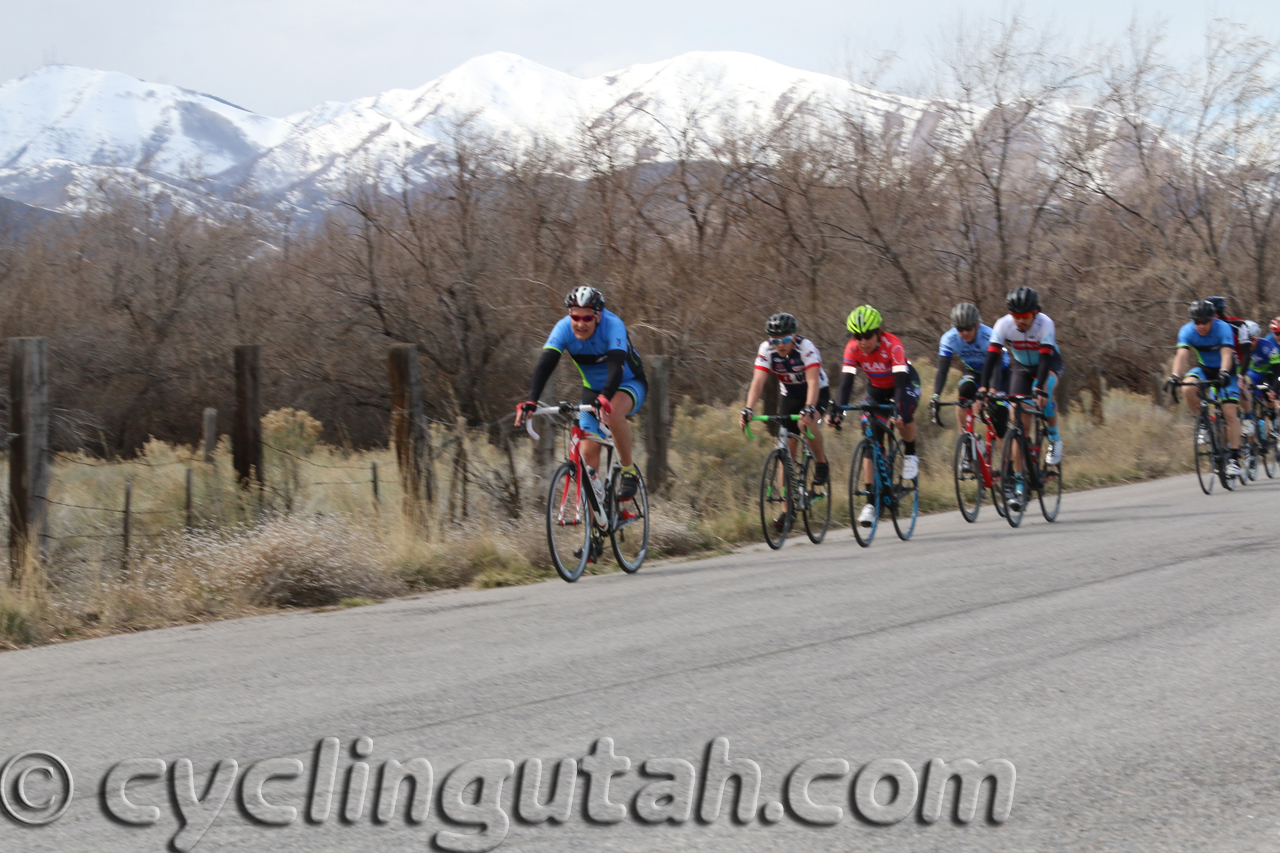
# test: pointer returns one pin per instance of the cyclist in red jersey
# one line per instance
(891, 379)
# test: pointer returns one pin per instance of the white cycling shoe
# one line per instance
(1233, 468)
(1055, 452)
(910, 467)
(1248, 427)
(867, 517)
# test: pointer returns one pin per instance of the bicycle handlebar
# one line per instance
(777, 419)
(561, 409)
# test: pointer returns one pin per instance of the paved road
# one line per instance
(1124, 660)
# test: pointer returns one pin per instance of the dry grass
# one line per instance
(318, 538)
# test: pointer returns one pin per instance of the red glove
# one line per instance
(603, 405)
(523, 410)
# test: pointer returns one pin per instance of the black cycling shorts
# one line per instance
(793, 405)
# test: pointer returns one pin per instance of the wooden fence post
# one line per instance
(374, 472)
(657, 420)
(28, 457)
(128, 524)
(407, 419)
(246, 435)
(210, 434)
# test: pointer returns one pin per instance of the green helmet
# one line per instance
(863, 319)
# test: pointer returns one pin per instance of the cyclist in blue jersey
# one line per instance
(967, 341)
(1212, 343)
(1263, 367)
(612, 376)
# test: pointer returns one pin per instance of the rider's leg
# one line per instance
(620, 426)
(1191, 396)
(1232, 413)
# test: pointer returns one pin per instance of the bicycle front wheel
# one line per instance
(569, 522)
(777, 504)
(968, 474)
(1206, 458)
(629, 526)
(817, 502)
(1013, 483)
(864, 494)
(905, 505)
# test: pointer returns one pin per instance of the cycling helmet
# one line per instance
(965, 315)
(1275, 326)
(1201, 309)
(1219, 304)
(1022, 299)
(863, 319)
(585, 297)
(780, 324)
(1255, 331)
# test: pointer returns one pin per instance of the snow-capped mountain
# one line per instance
(64, 130)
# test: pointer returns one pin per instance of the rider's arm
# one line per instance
(901, 379)
(846, 386)
(1228, 361)
(991, 365)
(815, 384)
(940, 378)
(757, 387)
(1042, 375)
(1180, 360)
(542, 372)
(615, 358)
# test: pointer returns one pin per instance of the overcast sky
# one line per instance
(281, 56)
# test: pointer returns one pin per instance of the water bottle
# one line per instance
(596, 485)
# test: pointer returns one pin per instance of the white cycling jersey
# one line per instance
(790, 369)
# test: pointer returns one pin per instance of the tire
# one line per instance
(860, 497)
(776, 498)
(1269, 446)
(904, 507)
(1222, 452)
(968, 482)
(569, 522)
(1010, 477)
(1205, 455)
(629, 526)
(817, 505)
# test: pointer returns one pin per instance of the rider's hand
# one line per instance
(1174, 380)
(602, 407)
(981, 394)
(808, 415)
(1224, 379)
(524, 410)
(834, 418)
(745, 417)
(1041, 393)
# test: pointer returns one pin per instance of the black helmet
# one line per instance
(780, 324)
(1219, 304)
(1022, 299)
(585, 297)
(965, 315)
(1202, 309)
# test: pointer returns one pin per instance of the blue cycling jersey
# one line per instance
(591, 355)
(1264, 362)
(1209, 346)
(973, 355)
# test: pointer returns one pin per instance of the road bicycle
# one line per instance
(1212, 450)
(787, 489)
(1261, 445)
(1023, 468)
(887, 491)
(582, 508)
(972, 463)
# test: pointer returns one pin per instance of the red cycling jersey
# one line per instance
(880, 364)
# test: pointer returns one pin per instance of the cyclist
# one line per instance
(1213, 343)
(804, 389)
(891, 378)
(967, 340)
(1243, 346)
(1263, 367)
(613, 380)
(1035, 366)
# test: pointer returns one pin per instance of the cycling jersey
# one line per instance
(973, 355)
(591, 355)
(790, 368)
(1242, 340)
(1208, 347)
(881, 363)
(1025, 347)
(1264, 361)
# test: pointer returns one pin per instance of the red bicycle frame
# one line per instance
(984, 448)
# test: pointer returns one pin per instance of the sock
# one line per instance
(1052, 433)
(630, 469)
(910, 447)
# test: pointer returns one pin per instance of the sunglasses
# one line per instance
(1025, 315)
(582, 318)
(966, 330)
(864, 336)
(786, 340)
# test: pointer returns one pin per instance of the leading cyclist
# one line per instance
(613, 380)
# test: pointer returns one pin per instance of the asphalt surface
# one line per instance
(1124, 660)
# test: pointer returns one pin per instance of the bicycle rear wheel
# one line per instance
(1222, 452)
(777, 504)
(863, 495)
(569, 523)
(629, 526)
(905, 504)
(817, 502)
(1013, 483)
(1206, 458)
(1267, 423)
(968, 476)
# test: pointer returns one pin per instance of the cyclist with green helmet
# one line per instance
(891, 379)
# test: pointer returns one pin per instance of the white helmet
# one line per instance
(1254, 330)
